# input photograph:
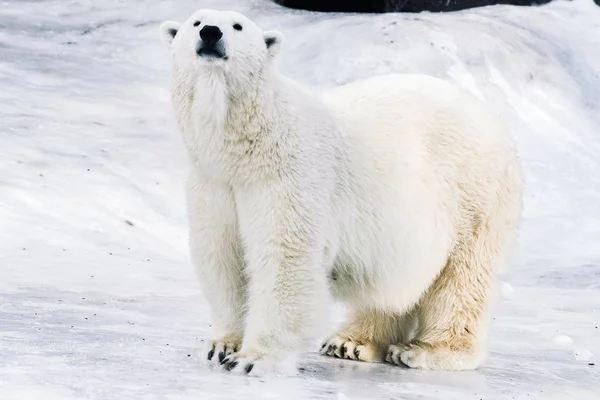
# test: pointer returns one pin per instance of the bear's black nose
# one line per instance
(210, 34)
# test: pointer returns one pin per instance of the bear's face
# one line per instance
(224, 40)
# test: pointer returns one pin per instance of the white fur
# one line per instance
(399, 194)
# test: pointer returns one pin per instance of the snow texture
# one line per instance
(97, 295)
(563, 340)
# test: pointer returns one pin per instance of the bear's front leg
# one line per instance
(216, 254)
(283, 233)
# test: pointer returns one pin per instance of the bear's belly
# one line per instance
(387, 260)
(393, 282)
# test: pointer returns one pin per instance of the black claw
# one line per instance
(343, 351)
(225, 360)
(356, 353)
(323, 346)
(249, 368)
(231, 365)
(211, 353)
(221, 356)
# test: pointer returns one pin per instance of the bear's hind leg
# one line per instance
(453, 313)
(450, 316)
(367, 334)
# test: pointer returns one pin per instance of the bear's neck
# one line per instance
(218, 102)
(227, 124)
(249, 106)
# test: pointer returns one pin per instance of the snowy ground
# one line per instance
(97, 295)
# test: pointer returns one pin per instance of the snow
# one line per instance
(563, 340)
(506, 290)
(583, 355)
(97, 295)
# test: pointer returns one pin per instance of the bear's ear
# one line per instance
(273, 40)
(168, 30)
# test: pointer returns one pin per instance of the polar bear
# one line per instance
(398, 195)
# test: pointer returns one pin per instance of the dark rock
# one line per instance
(379, 6)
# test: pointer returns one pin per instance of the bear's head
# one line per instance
(220, 40)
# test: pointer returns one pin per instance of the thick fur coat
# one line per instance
(399, 195)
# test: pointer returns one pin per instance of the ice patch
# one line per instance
(583, 354)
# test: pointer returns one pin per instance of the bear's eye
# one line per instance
(237, 27)
(197, 23)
